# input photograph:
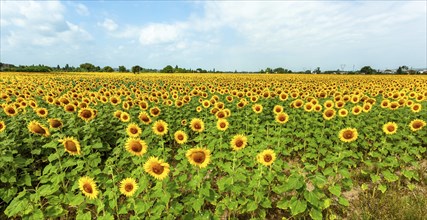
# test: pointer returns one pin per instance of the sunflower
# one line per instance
(348, 134)
(128, 187)
(197, 125)
(385, 103)
(200, 157)
(416, 107)
(55, 123)
(198, 108)
(115, 100)
(393, 105)
(206, 104)
(308, 107)
(220, 114)
(2, 126)
(41, 112)
(155, 111)
(71, 145)
(328, 104)
(160, 128)
(87, 114)
(124, 117)
(282, 118)
(10, 110)
(117, 113)
(136, 146)
(266, 157)
(417, 124)
(367, 107)
(222, 124)
(183, 122)
(36, 128)
(70, 107)
(390, 128)
(133, 130)
(239, 142)
(343, 112)
(356, 110)
(317, 108)
(277, 109)
(257, 108)
(157, 168)
(88, 187)
(180, 137)
(329, 113)
(144, 117)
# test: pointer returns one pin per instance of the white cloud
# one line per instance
(161, 33)
(108, 24)
(81, 9)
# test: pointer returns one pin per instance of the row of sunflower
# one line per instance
(117, 130)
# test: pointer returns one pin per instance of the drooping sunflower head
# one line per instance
(86, 114)
(257, 108)
(160, 128)
(71, 145)
(239, 142)
(41, 112)
(329, 113)
(390, 128)
(266, 157)
(10, 110)
(222, 124)
(200, 157)
(282, 118)
(117, 114)
(180, 137)
(55, 123)
(136, 146)
(133, 130)
(394, 105)
(417, 124)
(128, 187)
(69, 107)
(157, 168)
(144, 118)
(36, 128)
(197, 125)
(2, 126)
(88, 187)
(348, 134)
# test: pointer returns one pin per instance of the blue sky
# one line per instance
(225, 35)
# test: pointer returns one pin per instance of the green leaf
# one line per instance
(343, 201)
(251, 206)
(76, 200)
(335, 189)
(294, 182)
(364, 186)
(36, 215)
(316, 214)
(382, 188)
(85, 216)
(54, 211)
(283, 204)
(106, 216)
(16, 206)
(312, 198)
(297, 206)
(375, 178)
(197, 204)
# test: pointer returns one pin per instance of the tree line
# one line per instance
(88, 67)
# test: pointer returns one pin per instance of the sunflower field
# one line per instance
(210, 146)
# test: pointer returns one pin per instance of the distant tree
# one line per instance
(122, 69)
(107, 69)
(268, 70)
(167, 69)
(279, 70)
(307, 71)
(367, 70)
(136, 69)
(67, 67)
(88, 67)
(317, 70)
(402, 70)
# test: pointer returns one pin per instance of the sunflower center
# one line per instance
(257, 109)
(356, 110)
(155, 111)
(70, 146)
(129, 187)
(157, 168)
(56, 124)
(87, 188)
(125, 117)
(38, 129)
(86, 114)
(160, 128)
(220, 115)
(416, 107)
(11, 111)
(417, 125)
(239, 143)
(198, 157)
(298, 104)
(133, 130)
(180, 137)
(390, 128)
(145, 119)
(328, 113)
(222, 125)
(268, 158)
(42, 112)
(1, 126)
(197, 126)
(70, 108)
(136, 147)
(348, 134)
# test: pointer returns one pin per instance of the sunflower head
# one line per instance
(343, 112)
(124, 117)
(222, 124)
(157, 168)
(356, 110)
(415, 108)
(87, 114)
(41, 112)
(136, 146)
(282, 118)
(88, 187)
(117, 114)
(390, 128)
(2, 126)
(155, 111)
(69, 107)
(197, 125)
(55, 123)
(239, 142)
(277, 109)
(10, 110)
(257, 108)
(348, 134)
(199, 157)
(128, 187)
(36, 128)
(71, 145)
(133, 130)
(180, 137)
(144, 118)
(329, 113)
(266, 157)
(160, 128)
(417, 124)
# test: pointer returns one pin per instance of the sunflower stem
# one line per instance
(234, 159)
